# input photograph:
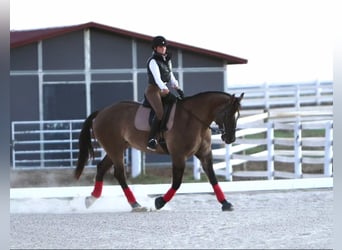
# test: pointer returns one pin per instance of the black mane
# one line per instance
(206, 92)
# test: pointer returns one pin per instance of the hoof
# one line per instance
(136, 207)
(159, 202)
(89, 200)
(227, 206)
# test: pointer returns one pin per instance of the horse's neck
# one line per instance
(205, 107)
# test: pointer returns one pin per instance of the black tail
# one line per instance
(84, 145)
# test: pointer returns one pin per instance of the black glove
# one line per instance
(169, 98)
(180, 93)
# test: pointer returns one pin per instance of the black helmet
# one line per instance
(158, 41)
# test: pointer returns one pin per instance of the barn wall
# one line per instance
(24, 100)
(109, 51)
(64, 101)
(195, 60)
(208, 81)
(64, 52)
(24, 58)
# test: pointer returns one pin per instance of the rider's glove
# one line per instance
(180, 93)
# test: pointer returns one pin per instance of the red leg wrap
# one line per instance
(168, 196)
(219, 194)
(129, 195)
(97, 189)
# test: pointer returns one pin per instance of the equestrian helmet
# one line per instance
(158, 41)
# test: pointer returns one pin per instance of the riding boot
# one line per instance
(152, 141)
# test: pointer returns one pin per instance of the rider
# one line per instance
(159, 71)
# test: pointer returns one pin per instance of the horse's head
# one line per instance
(227, 118)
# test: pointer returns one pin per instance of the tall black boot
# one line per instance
(152, 141)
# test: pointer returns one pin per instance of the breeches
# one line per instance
(153, 96)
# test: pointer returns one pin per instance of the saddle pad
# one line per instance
(142, 116)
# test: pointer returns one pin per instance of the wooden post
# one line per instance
(297, 97)
(229, 167)
(136, 162)
(196, 168)
(267, 97)
(270, 150)
(298, 150)
(328, 149)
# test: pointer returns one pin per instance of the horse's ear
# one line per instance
(232, 100)
(241, 96)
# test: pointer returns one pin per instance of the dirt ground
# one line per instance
(298, 219)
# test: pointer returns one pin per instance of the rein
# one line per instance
(215, 130)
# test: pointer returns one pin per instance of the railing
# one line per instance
(272, 95)
(296, 143)
(46, 144)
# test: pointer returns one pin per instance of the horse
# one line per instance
(114, 129)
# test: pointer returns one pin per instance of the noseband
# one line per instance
(223, 131)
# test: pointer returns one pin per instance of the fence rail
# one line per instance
(297, 143)
(272, 95)
(46, 143)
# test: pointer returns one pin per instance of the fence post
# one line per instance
(70, 143)
(42, 145)
(229, 168)
(136, 162)
(298, 150)
(328, 149)
(297, 97)
(13, 145)
(267, 96)
(143, 163)
(270, 150)
(196, 168)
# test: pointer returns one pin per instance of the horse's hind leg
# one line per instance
(120, 175)
(101, 169)
(207, 164)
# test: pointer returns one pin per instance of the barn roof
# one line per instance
(24, 37)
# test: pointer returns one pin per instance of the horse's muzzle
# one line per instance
(228, 139)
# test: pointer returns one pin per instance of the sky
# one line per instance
(283, 40)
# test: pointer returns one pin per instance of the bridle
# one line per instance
(223, 130)
(214, 130)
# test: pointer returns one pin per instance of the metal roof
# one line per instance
(25, 37)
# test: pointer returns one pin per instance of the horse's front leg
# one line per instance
(178, 166)
(207, 164)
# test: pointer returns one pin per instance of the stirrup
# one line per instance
(152, 145)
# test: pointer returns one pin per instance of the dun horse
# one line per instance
(114, 129)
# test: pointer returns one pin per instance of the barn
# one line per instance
(65, 73)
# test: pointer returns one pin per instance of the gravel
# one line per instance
(261, 220)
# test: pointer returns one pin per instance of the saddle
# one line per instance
(145, 114)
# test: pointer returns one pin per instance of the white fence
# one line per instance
(42, 144)
(297, 143)
(289, 107)
(46, 143)
(273, 95)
